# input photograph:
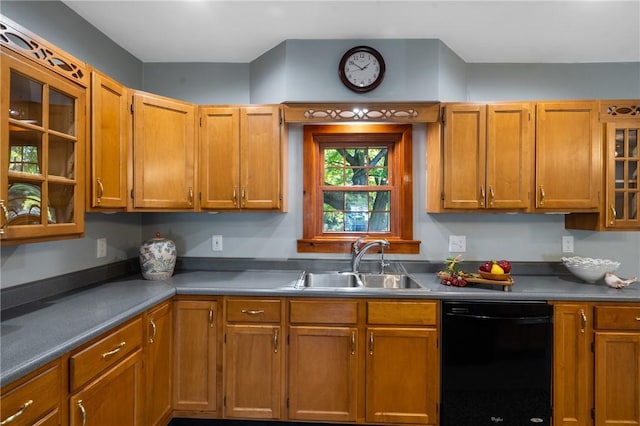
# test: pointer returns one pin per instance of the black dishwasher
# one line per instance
(496, 363)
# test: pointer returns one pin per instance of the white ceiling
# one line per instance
(478, 31)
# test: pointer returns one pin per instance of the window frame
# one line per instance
(400, 169)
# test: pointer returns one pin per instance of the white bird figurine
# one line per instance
(615, 282)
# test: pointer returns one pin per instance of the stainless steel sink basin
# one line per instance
(330, 279)
(389, 281)
(354, 280)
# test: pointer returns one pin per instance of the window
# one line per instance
(357, 182)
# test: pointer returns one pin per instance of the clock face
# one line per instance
(362, 69)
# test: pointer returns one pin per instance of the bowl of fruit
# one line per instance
(495, 270)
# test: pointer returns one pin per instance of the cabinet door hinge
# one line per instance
(280, 120)
(442, 196)
(444, 114)
(287, 402)
(131, 193)
(593, 347)
(131, 106)
(225, 338)
(224, 401)
(593, 413)
(200, 121)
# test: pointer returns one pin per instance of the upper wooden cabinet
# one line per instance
(241, 158)
(164, 149)
(487, 156)
(110, 136)
(42, 128)
(620, 206)
(568, 156)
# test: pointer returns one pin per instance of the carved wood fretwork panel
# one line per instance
(418, 112)
(623, 108)
(29, 45)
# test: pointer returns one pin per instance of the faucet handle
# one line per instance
(356, 244)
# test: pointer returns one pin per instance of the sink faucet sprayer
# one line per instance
(359, 252)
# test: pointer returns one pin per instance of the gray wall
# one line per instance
(299, 70)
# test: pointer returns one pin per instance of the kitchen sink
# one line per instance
(355, 280)
(389, 281)
(330, 280)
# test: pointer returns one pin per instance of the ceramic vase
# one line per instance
(157, 258)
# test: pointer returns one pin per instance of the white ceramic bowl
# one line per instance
(589, 269)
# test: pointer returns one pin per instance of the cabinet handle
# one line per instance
(243, 198)
(542, 195)
(235, 196)
(584, 320)
(18, 413)
(371, 343)
(83, 411)
(482, 195)
(637, 318)
(614, 214)
(191, 196)
(492, 195)
(353, 343)
(275, 340)
(114, 351)
(210, 316)
(252, 311)
(154, 330)
(6, 216)
(100, 190)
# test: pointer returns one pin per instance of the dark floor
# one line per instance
(196, 422)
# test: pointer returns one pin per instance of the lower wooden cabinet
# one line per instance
(195, 357)
(159, 363)
(253, 360)
(324, 360)
(617, 365)
(572, 364)
(113, 398)
(402, 363)
(37, 399)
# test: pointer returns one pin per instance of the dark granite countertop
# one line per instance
(40, 332)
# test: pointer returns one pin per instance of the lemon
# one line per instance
(496, 269)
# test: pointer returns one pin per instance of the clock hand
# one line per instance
(365, 66)
(353, 63)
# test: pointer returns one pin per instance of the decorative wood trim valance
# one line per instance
(620, 108)
(374, 112)
(27, 44)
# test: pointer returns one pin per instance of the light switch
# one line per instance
(567, 244)
(216, 243)
(101, 248)
(457, 243)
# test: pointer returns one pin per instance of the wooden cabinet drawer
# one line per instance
(323, 312)
(32, 400)
(618, 317)
(402, 313)
(253, 310)
(104, 353)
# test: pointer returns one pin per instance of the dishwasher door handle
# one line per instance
(519, 320)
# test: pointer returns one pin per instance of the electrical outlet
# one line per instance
(457, 243)
(101, 248)
(567, 244)
(216, 242)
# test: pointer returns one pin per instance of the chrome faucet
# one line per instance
(359, 252)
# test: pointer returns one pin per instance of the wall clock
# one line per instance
(361, 69)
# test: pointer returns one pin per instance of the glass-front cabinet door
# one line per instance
(623, 192)
(42, 156)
